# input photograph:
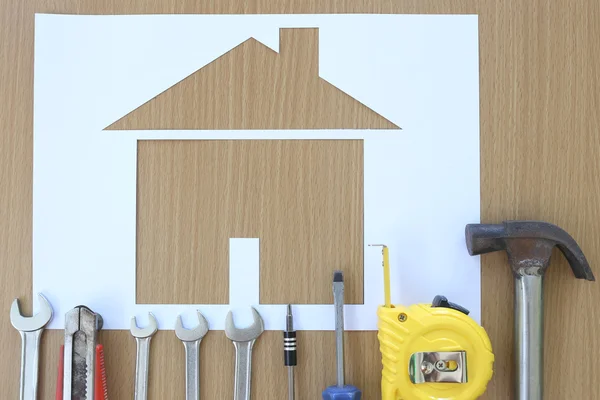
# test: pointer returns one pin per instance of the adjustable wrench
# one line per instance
(191, 339)
(243, 340)
(31, 329)
(142, 359)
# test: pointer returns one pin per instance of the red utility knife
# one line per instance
(100, 391)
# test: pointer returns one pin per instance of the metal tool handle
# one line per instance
(142, 363)
(192, 370)
(243, 369)
(30, 346)
(529, 336)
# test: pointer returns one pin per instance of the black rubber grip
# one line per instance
(289, 348)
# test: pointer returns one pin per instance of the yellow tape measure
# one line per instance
(431, 351)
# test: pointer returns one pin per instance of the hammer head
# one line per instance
(529, 246)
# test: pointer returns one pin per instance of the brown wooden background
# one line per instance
(540, 152)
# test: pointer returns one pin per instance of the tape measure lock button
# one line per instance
(442, 301)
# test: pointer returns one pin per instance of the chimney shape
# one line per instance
(300, 48)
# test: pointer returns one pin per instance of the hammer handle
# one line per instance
(529, 335)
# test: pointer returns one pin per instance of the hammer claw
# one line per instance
(527, 242)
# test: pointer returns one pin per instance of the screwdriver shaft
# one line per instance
(290, 382)
(338, 301)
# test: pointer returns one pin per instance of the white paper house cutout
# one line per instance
(420, 184)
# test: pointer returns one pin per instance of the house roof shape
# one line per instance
(284, 92)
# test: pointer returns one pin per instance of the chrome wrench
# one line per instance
(243, 340)
(31, 329)
(191, 339)
(142, 359)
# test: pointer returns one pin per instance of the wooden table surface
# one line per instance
(540, 159)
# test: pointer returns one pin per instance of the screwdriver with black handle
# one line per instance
(289, 350)
(340, 391)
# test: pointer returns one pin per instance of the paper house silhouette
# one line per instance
(309, 222)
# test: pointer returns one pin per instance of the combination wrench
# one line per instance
(243, 341)
(31, 329)
(142, 359)
(191, 339)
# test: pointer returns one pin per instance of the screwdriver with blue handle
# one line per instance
(340, 391)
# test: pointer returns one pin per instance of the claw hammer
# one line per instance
(529, 246)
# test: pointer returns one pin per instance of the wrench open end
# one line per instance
(36, 321)
(191, 335)
(244, 334)
(148, 331)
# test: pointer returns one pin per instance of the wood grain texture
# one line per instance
(302, 198)
(540, 145)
